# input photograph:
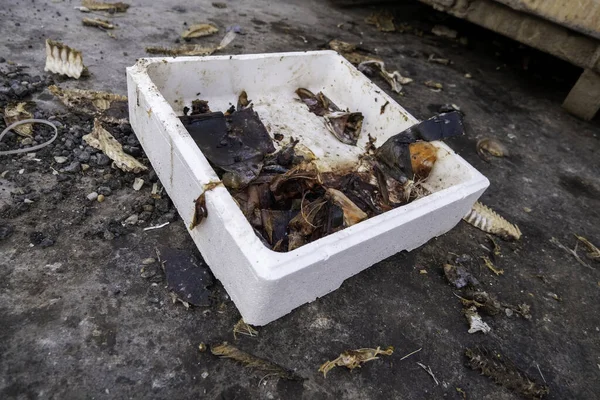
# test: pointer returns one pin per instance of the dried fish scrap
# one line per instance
(192, 50)
(393, 78)
(17, 112)
(62, 59)
(354, 358)
(265, 367)
(345, 126)
(107, 107)
(93, 5)
(503, 372)
(488, 221)
(199, 30)
(384, 21)
(98, 23)
(434, 85)
(489, 146)
(476, 324)
(593, 252)
(101, 139)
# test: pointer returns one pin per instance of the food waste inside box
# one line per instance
(293, 171)
(291, 197)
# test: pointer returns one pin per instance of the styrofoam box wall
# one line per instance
(264, 284)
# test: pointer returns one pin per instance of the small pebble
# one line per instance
(92, 196)
(85, 167)
(204, 375)
(202, 348)
(131, 220)
(72, 168)
(138, 183)
(100, 198)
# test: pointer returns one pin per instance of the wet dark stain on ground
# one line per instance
(257, 21)
(577, 186)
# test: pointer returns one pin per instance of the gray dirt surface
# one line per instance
(81, 319)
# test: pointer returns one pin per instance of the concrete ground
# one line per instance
(79, 320)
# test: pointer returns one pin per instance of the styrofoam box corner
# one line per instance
(265, 285)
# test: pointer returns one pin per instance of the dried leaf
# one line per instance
(62, 59)
(243, 328)
(259, 365)
(107, 107)
(101, 139)
(98, 23)
(347, 51)
(199, 30)
(354, 358)
(503, 372)
(101, 6)
(394, 79)
(488, 221)
(345, 126)
(17, 112)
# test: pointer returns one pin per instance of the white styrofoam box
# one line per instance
(264, 284)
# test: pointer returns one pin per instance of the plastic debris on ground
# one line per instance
(199, 30)
(242, 328)
(286, 198)
(354, 358)
(489, 221)
(93, 5)
(107, 107)
(64, 60)
(504, 372)
(187, 277)
(394, 79)
(261, 366)
(192, 50)
(17, 112)
(101, 139)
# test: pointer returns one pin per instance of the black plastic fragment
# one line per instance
(440, 127)
(186, 276)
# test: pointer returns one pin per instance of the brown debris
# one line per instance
(490, 265)
(502, 371)
(354, 358)
(264, 367)
(200, 212)
(15, 112)
(383, 20)
(199, 30)
(101, 6)
(243, 328)
(352, 214)
(98, 23)
(348, 51)
(458, 276)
